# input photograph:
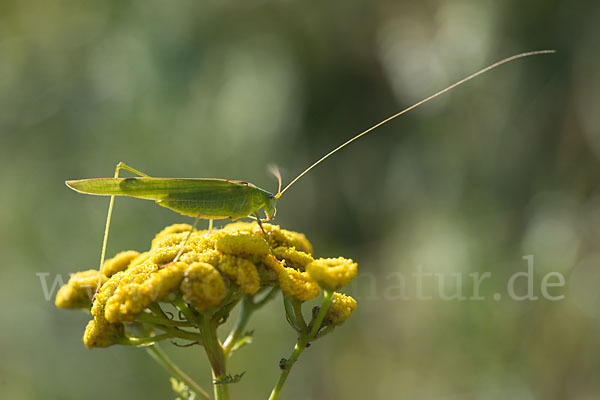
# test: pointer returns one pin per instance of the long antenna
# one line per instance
(468, 78)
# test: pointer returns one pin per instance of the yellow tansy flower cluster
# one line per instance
(237, 259)
(332, 273)
(340, 309)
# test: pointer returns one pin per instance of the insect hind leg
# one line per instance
(187, 238)
(126, 167)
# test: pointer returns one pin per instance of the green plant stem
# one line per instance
(182, 306)
(289, 363)
(272, 292)
(297, 307)
(141, 341)
(325, 331)
(303, 339)
(157, 310)
(246, 339)
(316, 324)
(227, 305)
(157, 354)
(170, 333)
(154, 319)
(240, 325)
(289, 312)
(216, 356)
(180, 333)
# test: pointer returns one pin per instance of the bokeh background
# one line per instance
(504, 167)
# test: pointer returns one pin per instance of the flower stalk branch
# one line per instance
(304, 338)
(216, 356)
(160, 357)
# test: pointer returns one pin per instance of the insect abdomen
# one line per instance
(224, 207)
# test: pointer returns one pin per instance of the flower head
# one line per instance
(119, 262)
(332, 273)
(215, 269)
(78, 292)
(203, 286)
(298, 285)
(340, 309)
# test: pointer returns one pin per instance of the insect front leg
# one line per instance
(261, 226)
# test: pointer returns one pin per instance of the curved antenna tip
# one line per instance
(404, 111)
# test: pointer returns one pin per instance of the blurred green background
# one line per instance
(504, 167)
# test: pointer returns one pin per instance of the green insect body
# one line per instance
(200, 198)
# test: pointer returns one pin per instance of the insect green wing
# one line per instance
(158, 188)
(203, 197)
